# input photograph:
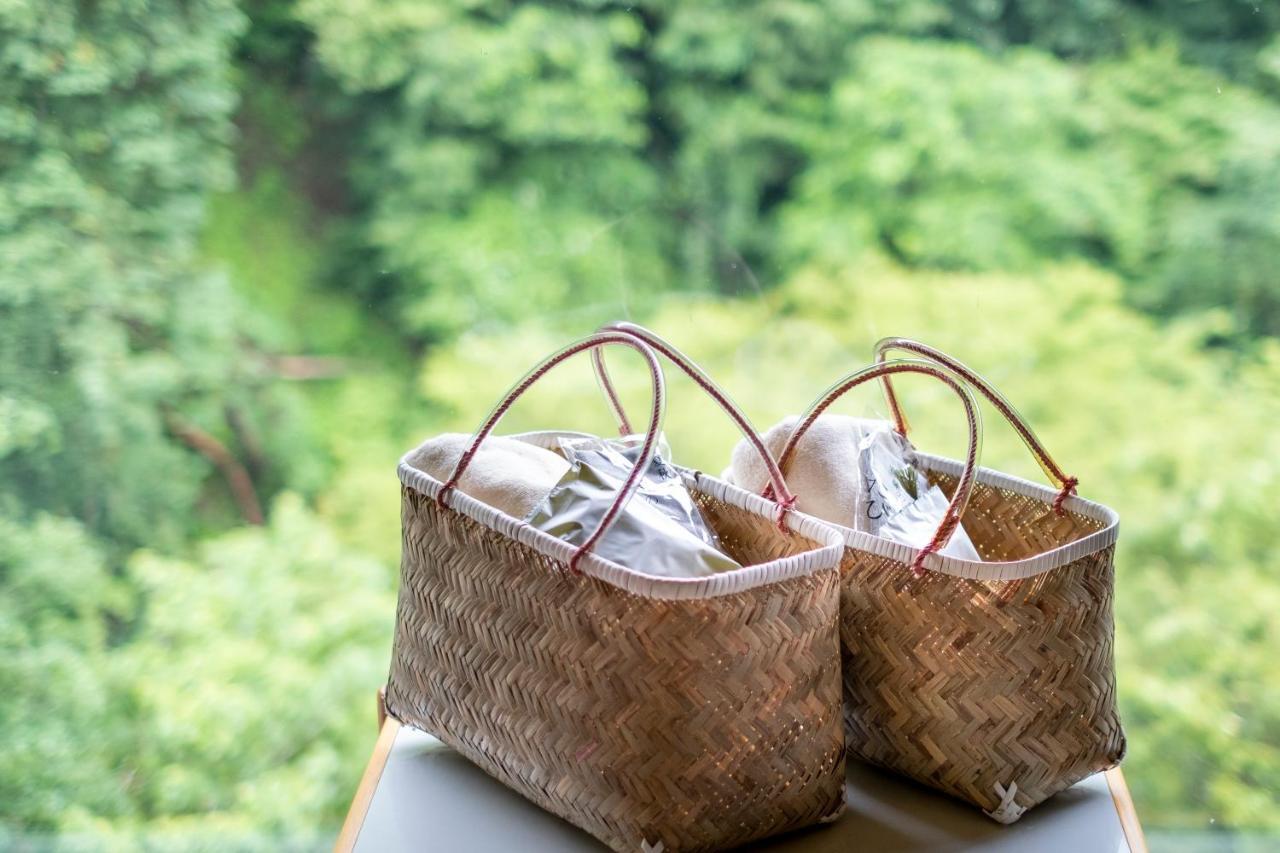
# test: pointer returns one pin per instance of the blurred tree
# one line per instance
(63, 723)
(493, 186)
(1222, 250)
(600, 152)
(225, 716)
(957, 159)
(1226, 35)
(262, 730)
(123, 378)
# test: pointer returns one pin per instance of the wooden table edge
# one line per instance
(368, 785)
(1123, 801)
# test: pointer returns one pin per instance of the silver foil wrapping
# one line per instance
(900, 502)
(660, 531)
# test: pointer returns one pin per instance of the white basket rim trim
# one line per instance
(1005, 570)
(650, 586)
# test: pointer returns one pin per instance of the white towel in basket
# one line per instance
(857, 473)
(507, 474)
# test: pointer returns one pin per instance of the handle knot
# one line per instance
(917, 566)
(783, 507)
(1068, 488)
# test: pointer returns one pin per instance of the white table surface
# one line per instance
(419, 795)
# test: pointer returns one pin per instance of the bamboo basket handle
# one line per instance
(657, 413)
(960, 497)
(1066, 483)
(785, 499)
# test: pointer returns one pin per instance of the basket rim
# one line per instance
(996, 570)
(827, 556)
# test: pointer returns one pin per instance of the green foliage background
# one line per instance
(282, 241)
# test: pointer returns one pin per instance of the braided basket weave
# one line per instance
(655, 713)
(992, 681)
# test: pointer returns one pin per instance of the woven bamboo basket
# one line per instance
(654, 713)
(991, 681)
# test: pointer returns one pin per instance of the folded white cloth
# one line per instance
(509, 475)
(823, 473)
(857, 473)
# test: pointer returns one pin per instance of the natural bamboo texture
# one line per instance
(974, 686)
(691, 723)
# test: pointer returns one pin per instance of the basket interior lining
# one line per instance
(749, 538)
(1006, 526)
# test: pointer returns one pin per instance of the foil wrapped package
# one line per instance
(660, 531)
(899, 501)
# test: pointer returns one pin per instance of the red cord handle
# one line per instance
(1066, 483)
(960, 498)
(785, 499)
(595, 343)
